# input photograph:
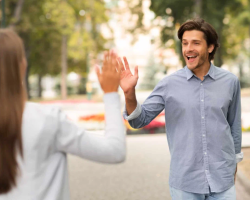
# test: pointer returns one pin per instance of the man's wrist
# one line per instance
(130, 94)
(130, 99)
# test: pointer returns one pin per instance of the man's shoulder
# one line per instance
(175, 76)
(220, 73)
(180, 73)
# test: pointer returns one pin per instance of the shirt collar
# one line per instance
(211, 72)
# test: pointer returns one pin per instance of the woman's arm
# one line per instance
(109, 148)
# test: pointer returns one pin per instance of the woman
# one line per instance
(34, 138)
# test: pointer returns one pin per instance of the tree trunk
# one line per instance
(64, 67)
(39, 84)
(17, 14)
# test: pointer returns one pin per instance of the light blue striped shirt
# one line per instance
(203, 126)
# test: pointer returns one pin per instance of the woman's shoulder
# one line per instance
(38, 116)
(41, 109)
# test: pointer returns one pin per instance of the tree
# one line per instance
(86, 42)
(62, 16)
(173, 13)
(47, 25)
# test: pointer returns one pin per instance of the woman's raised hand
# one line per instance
(109, 76)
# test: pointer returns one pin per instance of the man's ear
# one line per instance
(211, 48)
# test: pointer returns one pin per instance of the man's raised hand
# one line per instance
(128, 81)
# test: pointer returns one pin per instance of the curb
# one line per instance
(244, 181)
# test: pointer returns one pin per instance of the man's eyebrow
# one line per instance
(192, 40)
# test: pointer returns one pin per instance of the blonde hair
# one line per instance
(12, 99)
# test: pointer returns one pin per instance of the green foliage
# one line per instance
(61, 15)
(44, 22)
(214, 12)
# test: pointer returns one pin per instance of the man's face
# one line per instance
(195, 49)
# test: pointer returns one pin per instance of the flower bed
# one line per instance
(97, 122)
(157, 125)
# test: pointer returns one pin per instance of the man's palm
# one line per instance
(128, 81)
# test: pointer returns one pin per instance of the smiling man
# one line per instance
(203, 117)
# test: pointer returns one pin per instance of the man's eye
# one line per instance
(184, 43)
(197, 43)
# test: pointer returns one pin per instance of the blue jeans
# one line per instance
(229, 194)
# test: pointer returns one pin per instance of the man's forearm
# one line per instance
(131, 101)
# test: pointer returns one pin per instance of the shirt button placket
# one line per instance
(203, 128)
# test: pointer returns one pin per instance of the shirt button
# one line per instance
(201, 84)
(205, 153)
(203, 135)
(202, 117)
(202, 100)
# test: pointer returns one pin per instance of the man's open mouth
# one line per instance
(191, 57)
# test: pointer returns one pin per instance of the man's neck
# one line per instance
(201, 71)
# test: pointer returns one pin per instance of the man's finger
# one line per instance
(126, 63)
(118, 66)
(121, 64)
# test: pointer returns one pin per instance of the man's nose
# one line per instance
(190, 47)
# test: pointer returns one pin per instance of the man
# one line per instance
(202, 113)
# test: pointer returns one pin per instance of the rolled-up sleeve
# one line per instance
(134, 114)
(153, 105)
(234, 120)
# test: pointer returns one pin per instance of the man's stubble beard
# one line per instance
(203, 59)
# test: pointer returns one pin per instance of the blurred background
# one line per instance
(64, 39)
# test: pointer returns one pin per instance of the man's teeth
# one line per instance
(191, 57)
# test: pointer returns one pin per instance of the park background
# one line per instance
(64, 39)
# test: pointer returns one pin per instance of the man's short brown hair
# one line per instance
(201, 25)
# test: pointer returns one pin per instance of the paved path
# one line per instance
(144, 175)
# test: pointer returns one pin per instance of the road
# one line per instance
(144, 175)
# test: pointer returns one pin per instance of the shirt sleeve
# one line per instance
(145, 113)
(234, 119)
(134, 114)
(110, 148)
(239, 157)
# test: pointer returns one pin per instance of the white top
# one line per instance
(48, 135)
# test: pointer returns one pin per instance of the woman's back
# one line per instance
(48, 135)
(43, 168)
